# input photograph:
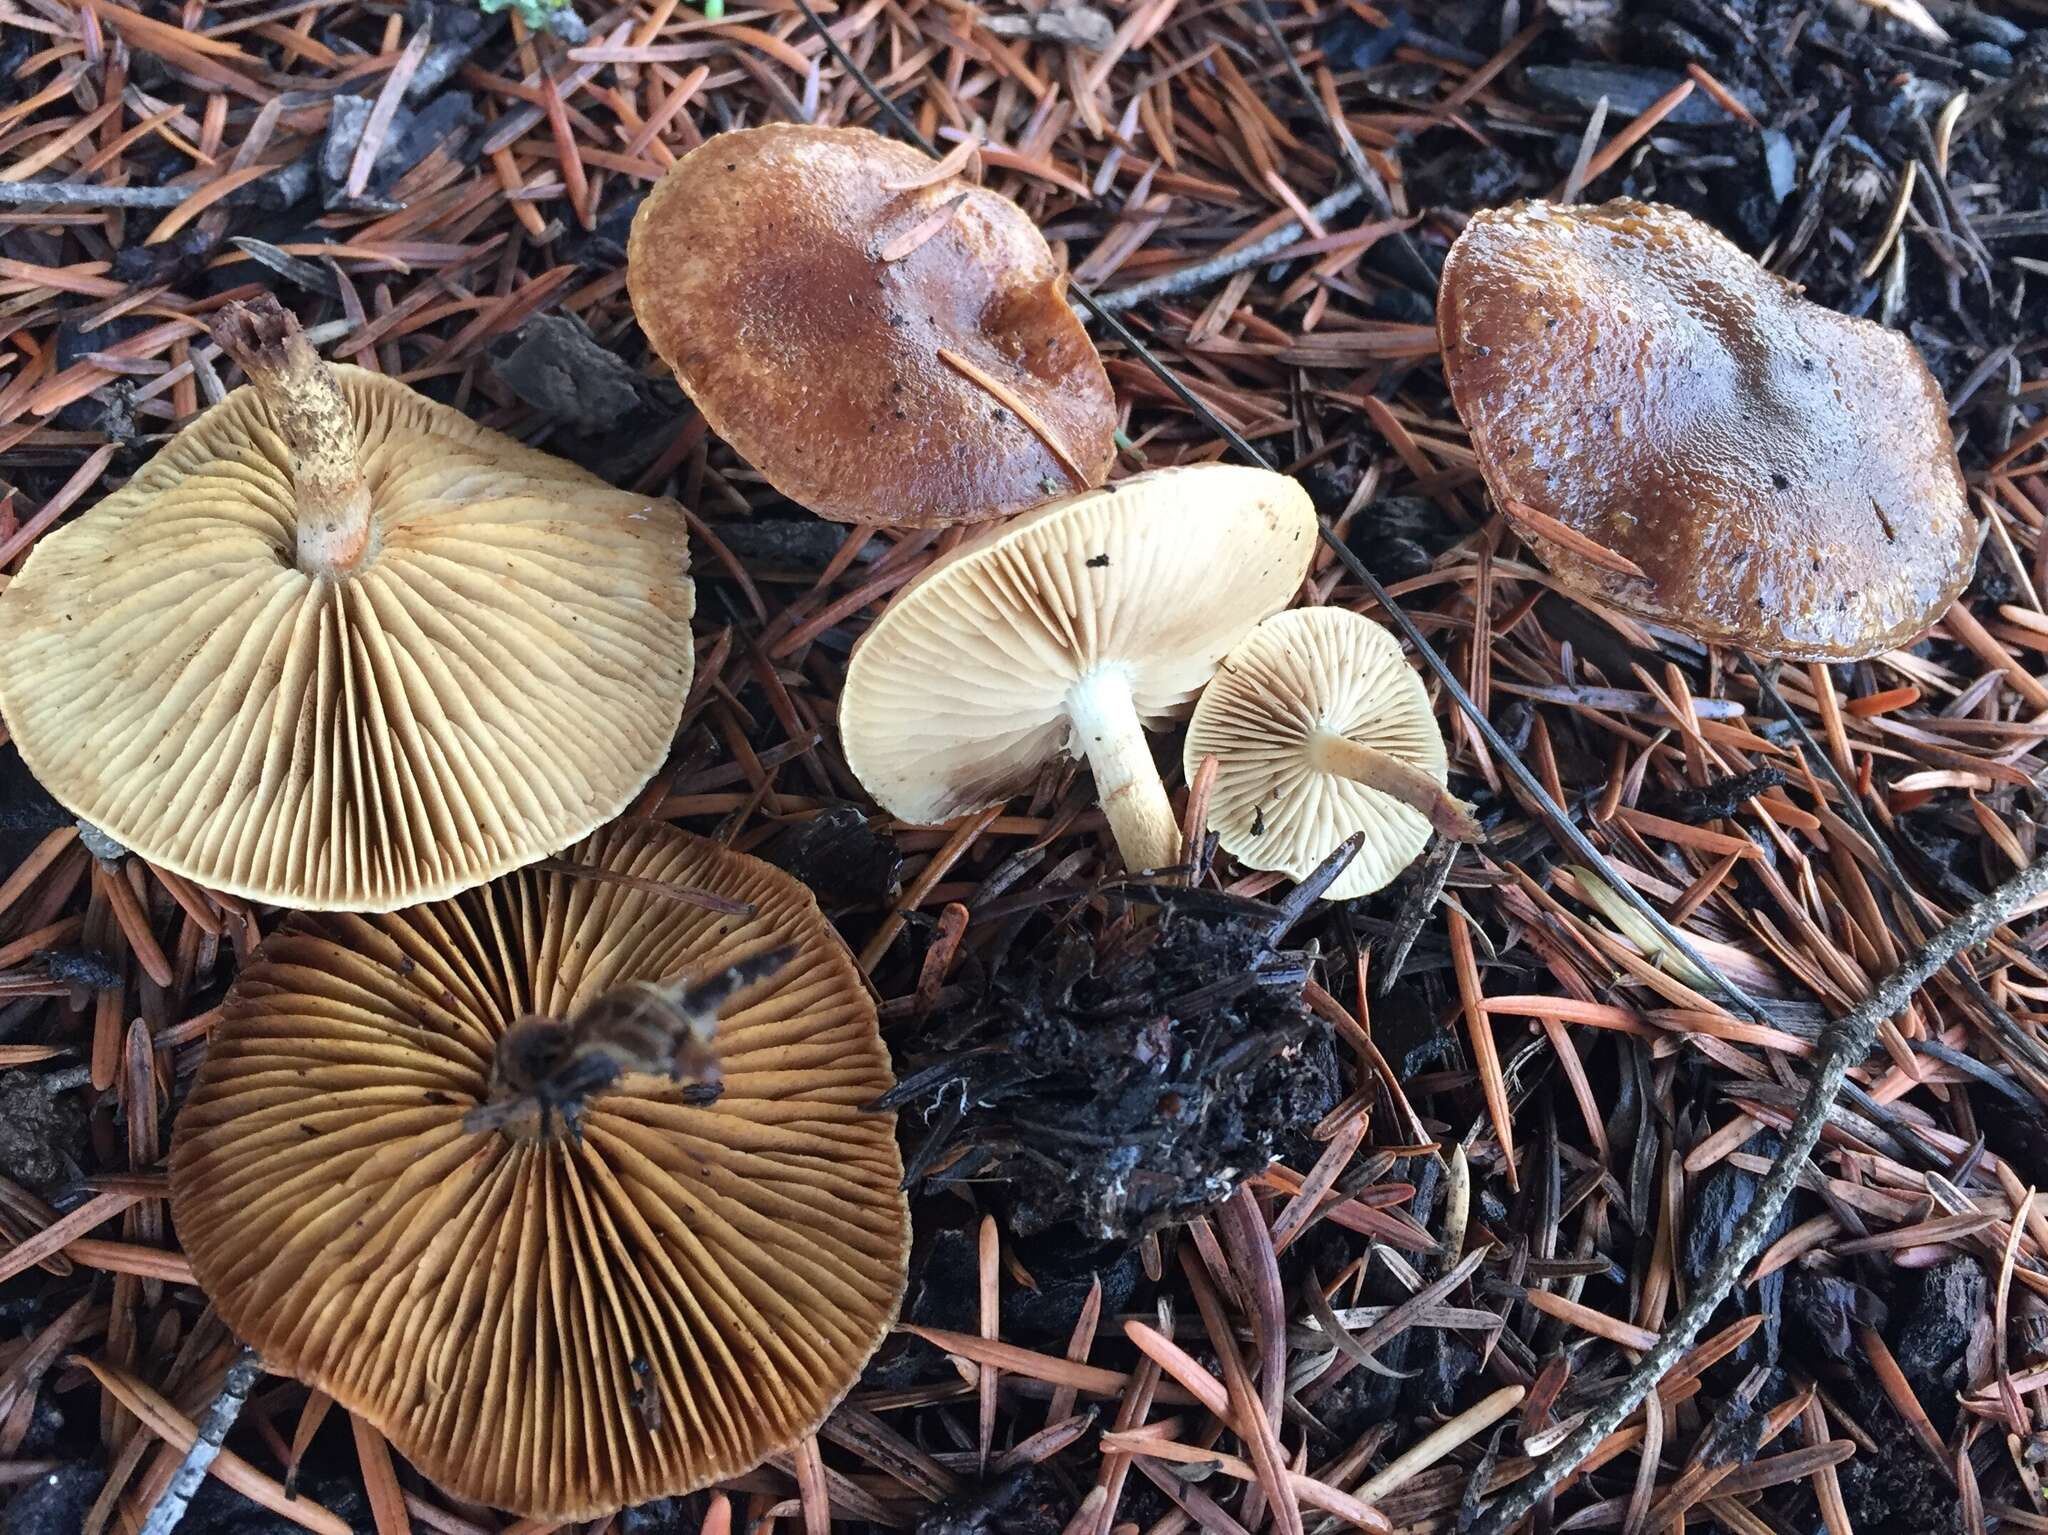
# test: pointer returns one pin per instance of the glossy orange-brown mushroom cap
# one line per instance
(773, 270)
(1783, 475)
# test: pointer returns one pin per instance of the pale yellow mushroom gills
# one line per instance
(337, 647)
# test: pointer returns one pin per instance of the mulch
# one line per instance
(1507, 1127)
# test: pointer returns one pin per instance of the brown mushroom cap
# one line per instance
(550, 1327)
(503, 672)
(760, 270)
(1782, 475)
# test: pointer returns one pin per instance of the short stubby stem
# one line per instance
(1448, 815)
(1127, 785)
(331, 501)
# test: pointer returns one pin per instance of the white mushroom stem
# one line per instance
(1329, 752)
(331, 502)
(1127, 786)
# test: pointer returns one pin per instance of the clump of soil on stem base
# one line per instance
(1122, 1084)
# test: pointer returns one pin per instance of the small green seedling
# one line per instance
(538, 15)
(559, 16)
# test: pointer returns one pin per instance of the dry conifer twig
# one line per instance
(1230, 262)
(77, 194)
(242, 1374)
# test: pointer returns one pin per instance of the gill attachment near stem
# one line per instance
(549, 1069)
(331, 502)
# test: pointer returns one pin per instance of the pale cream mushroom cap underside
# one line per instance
(955, 698)
(504, 673)
(482, 1297)
(1300, 672)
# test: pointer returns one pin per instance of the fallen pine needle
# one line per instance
(1527, 519)
(1346, 1506)
(922, 232)
(1440, 1441)
(1021, 1361)
(952, 164)
(1016, 406)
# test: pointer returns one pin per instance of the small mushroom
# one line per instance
(1321, 730)
(1071, 629)
(644, 1291)
(1681, 435)
(885, 344)
(338, 647)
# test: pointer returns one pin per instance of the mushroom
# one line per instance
(885, 341)
(1321, 730)
(337, 647)
(1679, 434)
(1072, 628)
(556, 1313)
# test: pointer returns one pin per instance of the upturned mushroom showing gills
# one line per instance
(1321, 730)
(1681, 435)
(566, 1184)
(886, 342)
(1071, 629)
(336, 647)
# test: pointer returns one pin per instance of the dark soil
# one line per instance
(1122, 1084)
(42, 1130)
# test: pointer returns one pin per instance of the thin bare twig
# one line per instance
(1228, 263)
(79, 194)
(243, 1372)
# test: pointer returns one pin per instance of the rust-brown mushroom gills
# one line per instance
(338, 647)
(1680, 434)
(884, 345)
(450, 1166)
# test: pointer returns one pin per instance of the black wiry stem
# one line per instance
(243, 1373)
(1845, 1043)
(1555, 816)
(1363, 176)
(1847, 1040)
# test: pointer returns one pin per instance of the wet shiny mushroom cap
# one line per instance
(551, 1323)
(883, 346)
(1782, 476)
